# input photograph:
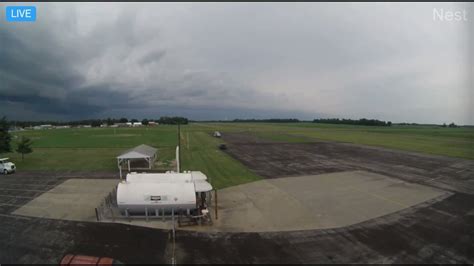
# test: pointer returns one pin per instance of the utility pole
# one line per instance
(179, 146)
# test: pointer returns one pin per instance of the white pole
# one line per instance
(120, 168)
(128, 165)
(178, 168)
(173, 259)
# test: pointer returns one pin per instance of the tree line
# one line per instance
(173, 120)
(98, 122)
(360, 122)
(271, 120)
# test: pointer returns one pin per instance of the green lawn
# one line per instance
(90, 148)
(200, 152)
(454, 142)
(95, 149)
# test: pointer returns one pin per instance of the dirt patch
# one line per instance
(272, 160)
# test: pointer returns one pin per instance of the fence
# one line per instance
(108, 211)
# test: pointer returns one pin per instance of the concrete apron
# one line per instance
(282, 204)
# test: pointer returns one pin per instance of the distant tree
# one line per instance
(361, 122)
(165, 120)
(109, 121)
(271, 120)
(444, 125)
(5, 136)
(145, 122)
(134, 120)
(389, 123)
(24, 146)
(452, 125)
(123, 120)
(96, 123)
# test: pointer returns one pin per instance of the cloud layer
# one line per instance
(238, 60)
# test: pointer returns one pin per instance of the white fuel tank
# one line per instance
(137, 197)
(195, 177)
(165, 177)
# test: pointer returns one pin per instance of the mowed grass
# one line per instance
(453, 142)
(95, 149)
(90, 149)
(200, 152)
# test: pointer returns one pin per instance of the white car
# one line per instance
(6, 167)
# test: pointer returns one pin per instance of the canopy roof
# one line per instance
(141, 151)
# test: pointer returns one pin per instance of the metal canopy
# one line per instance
(142, 151)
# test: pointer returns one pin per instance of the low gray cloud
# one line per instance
(237, 60)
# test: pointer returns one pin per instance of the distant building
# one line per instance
(43, 127)
(153, 123)
(64, 126)
(137, 124)
(13, 129)
(121, 125)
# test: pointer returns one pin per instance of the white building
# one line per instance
(64, 126)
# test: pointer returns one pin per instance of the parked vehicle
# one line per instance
(223, 147)
(7, 167)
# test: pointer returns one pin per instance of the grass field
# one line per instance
(454, 142)
(90, 148)
(95, 149)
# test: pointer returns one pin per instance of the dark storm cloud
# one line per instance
(37, 73)
(53, 106)
(44, 82)
(29, 66)
(236, 60)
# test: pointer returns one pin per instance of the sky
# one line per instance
(208, 61)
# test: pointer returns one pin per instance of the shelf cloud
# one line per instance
(392, 61)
